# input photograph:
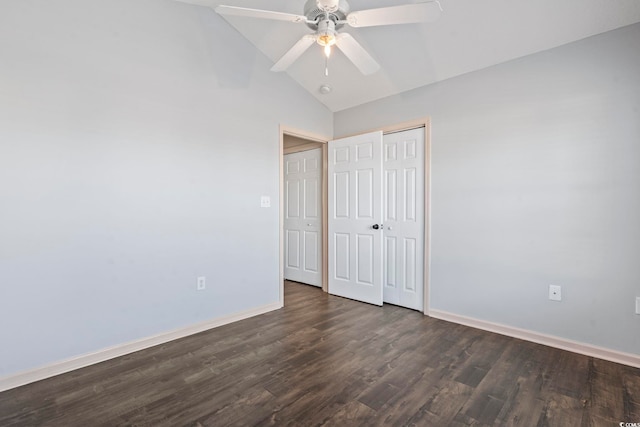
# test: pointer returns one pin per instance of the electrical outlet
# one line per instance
(637, 305)
(202, 284)
(555, 293)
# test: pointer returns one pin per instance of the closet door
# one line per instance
(355, 217)
(303, 217)
(404, 218)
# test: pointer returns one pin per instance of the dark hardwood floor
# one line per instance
(324, 360)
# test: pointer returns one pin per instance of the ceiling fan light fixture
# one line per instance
(326, 35)
(326, 40)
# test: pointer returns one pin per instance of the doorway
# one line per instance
(303, 195)
(303, 214)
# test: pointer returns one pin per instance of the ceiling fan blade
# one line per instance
(258, 13)
(405, 14)
(294, 53)
(356, 54)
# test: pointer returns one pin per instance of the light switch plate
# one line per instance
(265, 202)
(637, 305)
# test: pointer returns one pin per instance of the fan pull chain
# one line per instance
(327, 54)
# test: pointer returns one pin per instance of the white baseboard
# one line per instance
(549, 340)
(77, 362)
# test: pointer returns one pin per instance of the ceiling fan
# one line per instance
(326, 17)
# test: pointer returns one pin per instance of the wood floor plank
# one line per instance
(606, 391)
(562, 410)
(353, 414)
(326, 360)
(631, 393)
(441, 404)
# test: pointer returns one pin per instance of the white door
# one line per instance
(355, 217)
(303, 217)
(404, 218)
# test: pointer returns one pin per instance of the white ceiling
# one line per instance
(470, 35)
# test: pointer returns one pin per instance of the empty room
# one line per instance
(319, 212)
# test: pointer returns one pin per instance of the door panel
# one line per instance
(341, 195)
(293, 199)
(390, 261)
(293, 249)
(404, 218)
(355, 205)
(364, 193)
(365, 267)
(342, 253)
(311, 255)
(303, 217)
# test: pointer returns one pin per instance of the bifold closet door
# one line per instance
(377, 218)
(355, 217)
(403, 279)
(303, 216)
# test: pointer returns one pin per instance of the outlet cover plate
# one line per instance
(637, 305)
(555, 293)
(201, 283)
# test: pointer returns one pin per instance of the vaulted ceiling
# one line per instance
(468, 36)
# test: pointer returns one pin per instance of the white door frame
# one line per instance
(424, 122)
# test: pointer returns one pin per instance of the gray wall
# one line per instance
(535, 181)
(136, 138)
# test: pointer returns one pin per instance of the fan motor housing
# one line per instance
(314, 13)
